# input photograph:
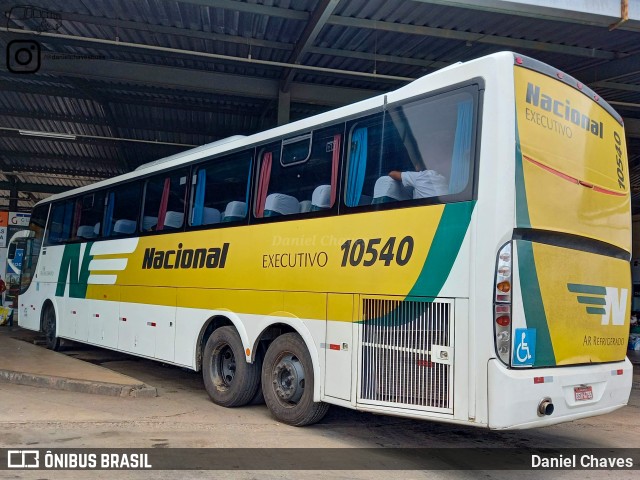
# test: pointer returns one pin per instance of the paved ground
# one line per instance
(183, 416)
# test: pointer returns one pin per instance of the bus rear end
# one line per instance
(563, 284)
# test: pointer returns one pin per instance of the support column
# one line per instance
(284, 107)
(13, 194)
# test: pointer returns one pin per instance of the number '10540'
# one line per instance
(357, 252)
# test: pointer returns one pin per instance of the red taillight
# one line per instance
(620, 371)
(519, 60)
(538, 379)
(503, 320)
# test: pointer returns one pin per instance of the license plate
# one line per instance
(583, 393)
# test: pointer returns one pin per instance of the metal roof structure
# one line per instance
(118, 84)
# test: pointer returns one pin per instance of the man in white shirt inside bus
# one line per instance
(425, 183)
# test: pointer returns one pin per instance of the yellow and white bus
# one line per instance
(455, 250)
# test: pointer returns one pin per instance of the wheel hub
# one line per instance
(288, 379)
(227, 365)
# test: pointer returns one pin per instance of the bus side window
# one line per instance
(122, 210)
(61, 220)
(220, 190)
(89, 210)
(164, 201)
(300, 175)
(418, 150)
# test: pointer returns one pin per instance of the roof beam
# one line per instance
(253, 8)
(316, 23)
(184, 100)
(182, 32)
(204, 81)
(112, 142)
(611, 70)
(471, 37)
(86, 162)
(36, 187)
(584, 12)
(37, 170)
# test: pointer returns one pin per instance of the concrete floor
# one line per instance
(183, 416)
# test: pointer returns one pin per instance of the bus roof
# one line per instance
(236, 142)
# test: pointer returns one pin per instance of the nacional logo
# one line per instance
(562, 109)
(610, 303)
(215, 257)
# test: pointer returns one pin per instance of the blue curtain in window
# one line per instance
(461, 148)
(198, 202)
(246, 196)
(108, 215)
(357, 166)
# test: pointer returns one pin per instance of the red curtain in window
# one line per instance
(335, 164)
(164, 201)
(263, 183)
(77, 214)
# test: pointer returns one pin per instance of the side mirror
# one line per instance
(11, 254)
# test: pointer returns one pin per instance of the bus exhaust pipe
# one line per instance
(545, 407)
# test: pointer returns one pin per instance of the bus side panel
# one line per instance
(339, 346)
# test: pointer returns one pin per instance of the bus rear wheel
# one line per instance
(49, 328)
(287, 382)
(229, 380)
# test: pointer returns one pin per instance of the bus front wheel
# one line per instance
(287, 382)
(49, 327)
(230, 381)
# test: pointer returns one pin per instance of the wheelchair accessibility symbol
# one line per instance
(524, 352)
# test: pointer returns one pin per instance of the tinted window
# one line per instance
(122, 210)
(90, 209)
(302, 186)
(33, 245)
(220, 190)
(421, 149)
(164, 201)
(60, 222)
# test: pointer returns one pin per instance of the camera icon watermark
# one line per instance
(23, 56)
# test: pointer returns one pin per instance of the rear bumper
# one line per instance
(514, 397)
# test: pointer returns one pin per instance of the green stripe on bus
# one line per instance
(446, 244)
(522, 207)
(588, 289)
(445, 247)
(533, 307)
(592, 300)
(596, 311)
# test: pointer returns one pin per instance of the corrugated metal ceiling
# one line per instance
(173, 99)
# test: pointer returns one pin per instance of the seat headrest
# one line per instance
(282, 204)
(86, 231)
(173, 219)
(236, 210)
(210, 215)
(305, 206)
(388, 187)
(124, 226)
(321, 197)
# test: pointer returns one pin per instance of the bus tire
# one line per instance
(49, 329)
(287, 382)
(229, 380)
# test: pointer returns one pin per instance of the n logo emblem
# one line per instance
(608, 302)
(77, 273)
